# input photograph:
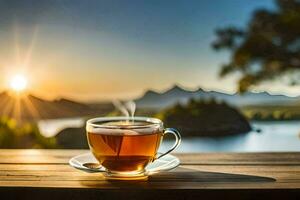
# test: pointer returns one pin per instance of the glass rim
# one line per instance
(92, 122)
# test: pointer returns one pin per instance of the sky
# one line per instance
(117, 49)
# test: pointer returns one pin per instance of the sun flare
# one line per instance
(18, 83)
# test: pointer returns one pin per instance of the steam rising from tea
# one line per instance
(127, 109)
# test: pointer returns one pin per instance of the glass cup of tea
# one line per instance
(125, 146)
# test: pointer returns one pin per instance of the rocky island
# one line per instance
(205, 118)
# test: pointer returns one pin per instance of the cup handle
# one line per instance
(177, 141)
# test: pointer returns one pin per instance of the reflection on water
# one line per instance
(274, 136)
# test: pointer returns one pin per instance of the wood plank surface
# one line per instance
(237, 175)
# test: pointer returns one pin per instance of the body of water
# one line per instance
(274, 136)
(51, 127)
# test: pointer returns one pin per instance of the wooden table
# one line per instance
(45, 174)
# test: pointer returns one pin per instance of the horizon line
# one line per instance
(160, 91)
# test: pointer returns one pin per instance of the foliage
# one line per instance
(26, 135)
(205, 118)
(267, 49)
(272, 113)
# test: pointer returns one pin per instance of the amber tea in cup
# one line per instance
(127, 145)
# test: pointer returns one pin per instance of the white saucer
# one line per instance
(165, 163)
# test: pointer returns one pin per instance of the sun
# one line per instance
(18, 83)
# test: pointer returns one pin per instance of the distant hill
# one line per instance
(152, 99)
(205, 118)
(29, 107)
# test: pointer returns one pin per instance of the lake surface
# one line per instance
(274, 136)
(51, 127)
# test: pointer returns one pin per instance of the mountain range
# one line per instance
(176, 94)
(30, 107)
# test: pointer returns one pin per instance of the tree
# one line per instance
(267, 49)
